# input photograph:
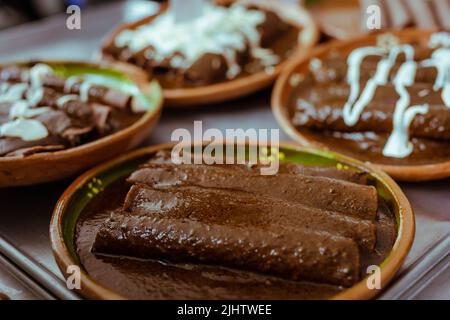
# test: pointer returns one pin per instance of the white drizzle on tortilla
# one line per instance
(218, 30)
(398, 144)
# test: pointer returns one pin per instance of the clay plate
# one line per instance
(282, 91)
(80, 192)
(51, 166)
(222, 91)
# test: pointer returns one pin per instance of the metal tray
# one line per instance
(26, 212)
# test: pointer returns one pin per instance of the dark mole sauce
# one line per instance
(151, 279)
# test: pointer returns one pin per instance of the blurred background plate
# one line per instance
(25, 223)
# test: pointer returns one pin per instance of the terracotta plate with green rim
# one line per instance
(339, 19)
(241, 86)
(428, 169)
(50, 166)
(92, 184)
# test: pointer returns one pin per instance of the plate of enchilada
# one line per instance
(58, 118)
(381, 98)
(146, 227)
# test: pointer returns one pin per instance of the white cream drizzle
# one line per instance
(21, 109)
(4, 88)
(11, 93)
(84, 91)
(351, 115)
(61, 101)
(34, 95)
(25, 97)
(381, 77)
(38, 72)
(446, 94)
(439, 39)
(440, 59)
(217, 30)
(398, 144)
(70, 82)
(25, 129)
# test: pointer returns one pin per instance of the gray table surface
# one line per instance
(26, 212)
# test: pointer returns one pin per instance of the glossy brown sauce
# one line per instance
(151, 279)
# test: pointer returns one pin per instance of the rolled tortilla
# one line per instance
(63, 130)
(82, 111)
(349, 175)
(10, 146)
(298, 255)
(339, 196)
(326, 112)
(219, 206)
(335, 69)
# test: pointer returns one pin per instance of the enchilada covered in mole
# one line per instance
(224, 231)
(42, 111)
(388, 103)
(228, 40)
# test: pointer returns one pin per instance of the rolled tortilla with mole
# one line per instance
(298, 255)
(317, 192)
(77, 109)
(219, 206)
(73, 85)
(334, 92)
(377, 115)
(349, 175)
(359, 177)
(336, 69)
(63, 131)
